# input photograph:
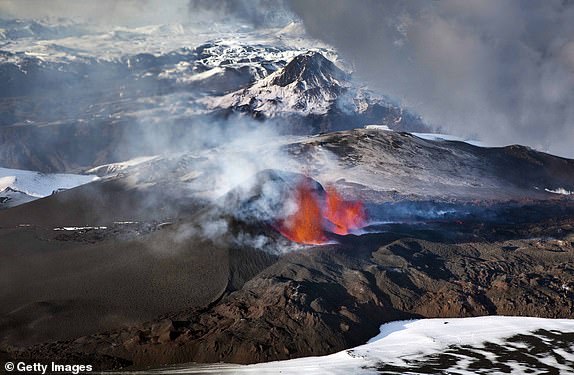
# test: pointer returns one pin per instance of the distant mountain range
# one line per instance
(87, 92)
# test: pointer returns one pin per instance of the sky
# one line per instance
(113, 12)
(498, 71)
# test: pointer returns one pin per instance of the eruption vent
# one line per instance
(320, 212)
(344, 215)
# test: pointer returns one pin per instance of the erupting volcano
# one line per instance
(319, 212)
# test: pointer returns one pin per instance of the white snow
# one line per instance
(560, 191)
(78, 228)
(378, 127)
(37, 184)
(112, 44)
(433, 136)
(448, 137)
(403, 341)
(178, 73)
(112, 168)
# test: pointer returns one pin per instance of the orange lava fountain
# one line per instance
(305, 226)
(315, 216)
(345, 216)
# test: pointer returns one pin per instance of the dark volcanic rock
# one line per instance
(321, 300)
(123, 260)
(243, 305)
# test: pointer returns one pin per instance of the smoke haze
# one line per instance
(502, 71)
(113, 12)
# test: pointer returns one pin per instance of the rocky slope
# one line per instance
(244, 292)
(326, 299)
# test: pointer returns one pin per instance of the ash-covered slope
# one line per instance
(381, 165)
(228, 287)
(326, 299)
(375, 166)
(111, 254)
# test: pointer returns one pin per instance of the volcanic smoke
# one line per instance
(319, 213)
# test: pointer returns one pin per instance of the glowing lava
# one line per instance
(345, 216)
(316, 214)
(305, 225)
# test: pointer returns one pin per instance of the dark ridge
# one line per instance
(312, 68)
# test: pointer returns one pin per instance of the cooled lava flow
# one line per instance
(320, 212)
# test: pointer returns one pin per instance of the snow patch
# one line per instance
(448, 137)
(433, 136)
(402, 342)
(78, 228)
(112, 168)
(378, 127)
(39, 185)
(561, 191)
(6, 182)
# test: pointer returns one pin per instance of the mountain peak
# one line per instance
(312, 68)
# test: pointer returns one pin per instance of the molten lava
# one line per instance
(344, 215)
(305, 225)
(316, 214)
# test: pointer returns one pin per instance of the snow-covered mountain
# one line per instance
(313, 88)
(308, 84)
(18, 186)
(374, 165)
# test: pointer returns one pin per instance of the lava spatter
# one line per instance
(319, 213)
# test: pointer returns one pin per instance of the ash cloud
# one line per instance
(110, 12)
(145, 12)
(499, 71)
(502, 71)
(256, 13)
